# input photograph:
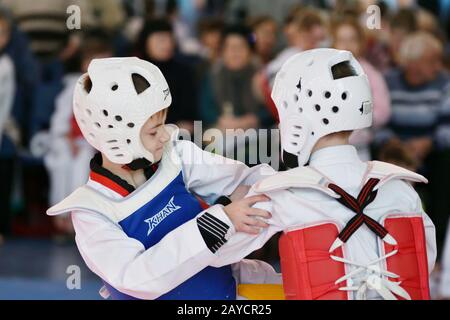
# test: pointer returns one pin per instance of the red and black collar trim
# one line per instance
(107, 178)
(110, 180)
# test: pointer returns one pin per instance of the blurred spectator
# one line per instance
(240, 10)
(45, 24)
(7, 92)
(395, 152)
(306, 30)
(68, 156)
(230, 103)
(265, 32)
(6, 75)
(349, 35)
(417, 92)
(228, 100)
(210, 32)
(419, 89)
(157, 45)
(444, 285)
(107, 15)
(384, 55)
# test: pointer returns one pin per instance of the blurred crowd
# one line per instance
(220, 59)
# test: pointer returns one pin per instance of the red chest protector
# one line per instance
(312, 257)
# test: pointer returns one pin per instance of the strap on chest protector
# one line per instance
(366, 196)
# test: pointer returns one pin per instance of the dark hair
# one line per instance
(352, 21)
(241, 31)
(157, 25)
(151, 26)
(210, 25)
(308, 19)
(95, 41)
(6, 16)
(404, 19)
(259, 20)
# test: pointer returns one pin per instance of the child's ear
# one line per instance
(140, 83)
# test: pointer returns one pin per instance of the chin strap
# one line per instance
(290, 160)
(138, 164)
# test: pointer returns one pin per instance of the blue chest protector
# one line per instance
(148, 214)
(169, 209)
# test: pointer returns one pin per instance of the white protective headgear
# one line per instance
(111, 112)
(313, 103)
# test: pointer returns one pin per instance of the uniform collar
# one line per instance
(335, 154)
(108, 179)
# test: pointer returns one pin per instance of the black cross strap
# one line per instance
(365, 197)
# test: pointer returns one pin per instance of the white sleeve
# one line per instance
(242, 244)
(210, 175)
(124, 263)
(444, 285)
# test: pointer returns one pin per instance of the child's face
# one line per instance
(154, 135)
(4, 34)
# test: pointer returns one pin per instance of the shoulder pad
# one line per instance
(301, 177)
(85, 199)
(386, 172)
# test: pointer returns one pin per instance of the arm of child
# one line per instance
(210, 175)
(242, 244)
(125, 264)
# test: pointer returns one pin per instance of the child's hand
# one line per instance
(244, 217)
(239, 193)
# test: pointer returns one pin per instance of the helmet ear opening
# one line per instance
(343, 69)
(87, 84)
(140, 83)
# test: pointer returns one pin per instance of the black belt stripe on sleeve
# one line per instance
(212, 230)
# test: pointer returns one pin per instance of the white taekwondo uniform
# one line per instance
(158, 255)
(298, 204)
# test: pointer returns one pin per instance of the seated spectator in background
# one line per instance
(384, 53)
(228, 100)
(230, 103)
(307, 30)
(157, 45)
(210, 33)
(304, 30)
(444, 285)
(348, 35)
(7, 92)
(44, 22)
(7, 79)
(26, 76)
(419, 91)
(68, 156)
(395, 152)
(264, 29)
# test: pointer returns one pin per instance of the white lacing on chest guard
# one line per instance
(374, 279)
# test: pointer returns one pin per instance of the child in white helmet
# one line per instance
(351, 229)
(139, 223)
